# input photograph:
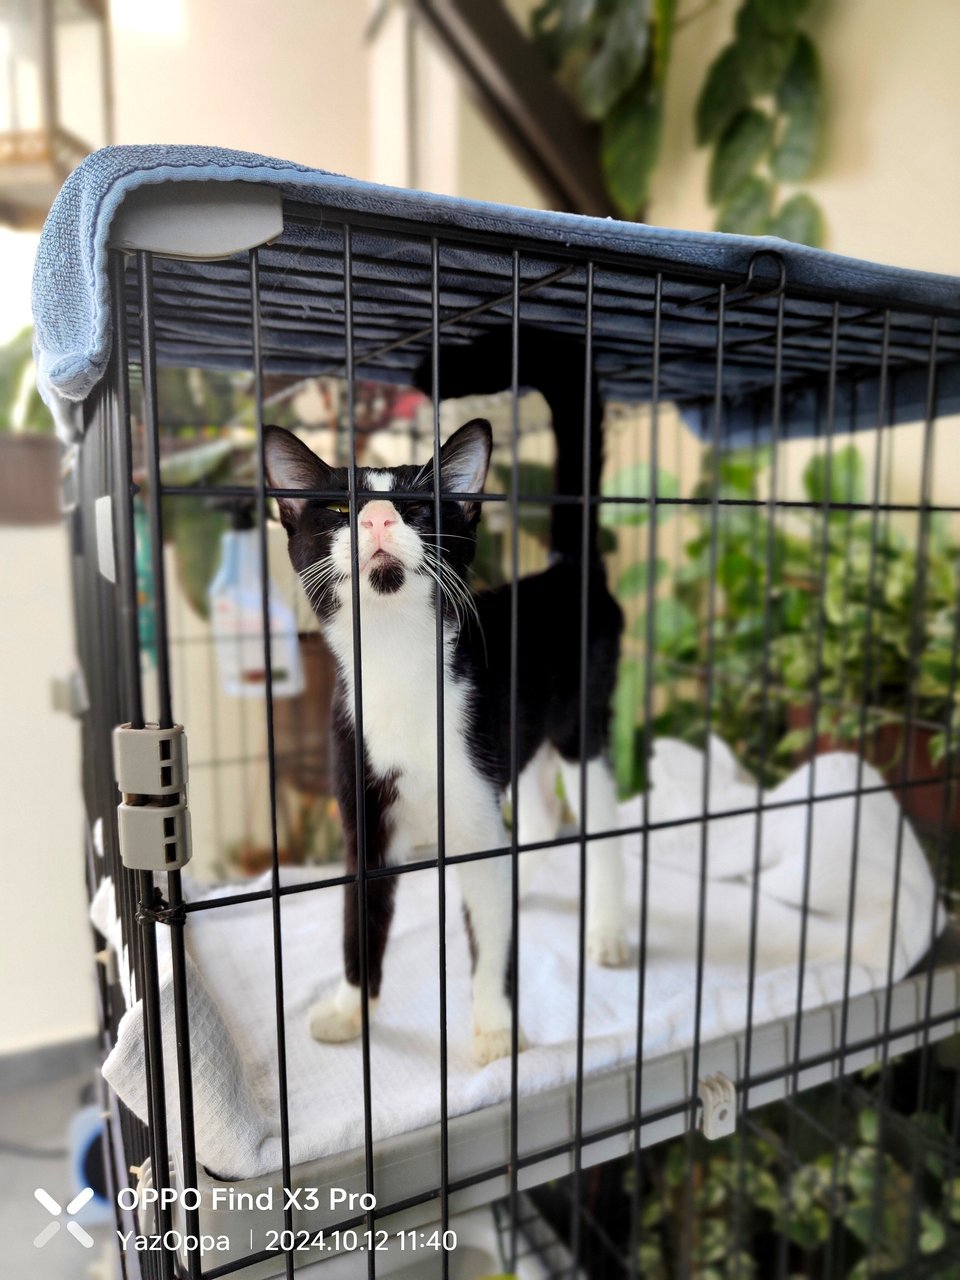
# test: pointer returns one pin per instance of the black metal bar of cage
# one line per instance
(276, 914)
(915, 640)
(440, 675)
(514, 758)
(707, 720)
(941, 881)
(583, 712)
(359, 754)
(831, 396)
(177, 918)
(648, 655)
(882, 409)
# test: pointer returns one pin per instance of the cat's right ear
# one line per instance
(291, 465)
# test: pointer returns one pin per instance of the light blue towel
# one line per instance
(72, 316)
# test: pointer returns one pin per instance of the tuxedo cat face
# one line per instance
(396, 542)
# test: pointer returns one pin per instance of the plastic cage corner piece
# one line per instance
(153, 819)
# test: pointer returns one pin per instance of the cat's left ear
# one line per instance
(464, 461)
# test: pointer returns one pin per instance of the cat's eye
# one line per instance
(341, 508)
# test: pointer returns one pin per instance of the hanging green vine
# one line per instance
(760, 108)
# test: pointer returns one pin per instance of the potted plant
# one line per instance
(805, 616)
(875, 658)
(712, 632)
(29, 451)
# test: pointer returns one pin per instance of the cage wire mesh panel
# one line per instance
(772, 501)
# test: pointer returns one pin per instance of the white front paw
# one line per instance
(607, 947)
(334, 1021)
(490, 1045)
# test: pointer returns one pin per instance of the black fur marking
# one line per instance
(471, 937)
(387, 576)
(380, 794)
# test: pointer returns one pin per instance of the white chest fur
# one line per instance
(399, 713)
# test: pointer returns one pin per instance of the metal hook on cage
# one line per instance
(748, 287)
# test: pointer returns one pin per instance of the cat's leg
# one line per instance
(340, 1017)
(538, 812)
(606, 909)
(486, 889)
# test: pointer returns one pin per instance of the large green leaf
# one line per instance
(633, 581)
(15, 359)
(557, 26)
(800, 220)
(200, 462)
(723, 94)
(748, 209)
(631, 144)
(796, 152)
(764, 53)
(665, 15)
(615, 64)
(674, 627)
(800, 97)
(635, 482)
(801, 88)
(533, 478)
(197, 533)
(845, 480)
(627, 703)
(744, 141)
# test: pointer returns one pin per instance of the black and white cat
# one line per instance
(399, 568)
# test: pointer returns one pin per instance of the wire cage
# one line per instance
(771, 498)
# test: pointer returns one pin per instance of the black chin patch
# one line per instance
(386, 577)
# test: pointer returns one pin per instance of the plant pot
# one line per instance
(29, 479)
(883, 747)
(252, 860)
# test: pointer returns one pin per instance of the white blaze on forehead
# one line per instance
(379, 481)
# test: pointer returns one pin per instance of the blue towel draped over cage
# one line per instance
(202, 320)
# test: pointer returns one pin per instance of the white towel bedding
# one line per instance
(231, 970)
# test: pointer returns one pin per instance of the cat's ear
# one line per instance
(291, 465)
(464, 461)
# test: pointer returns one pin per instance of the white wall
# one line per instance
(45, 946)
(287, 78)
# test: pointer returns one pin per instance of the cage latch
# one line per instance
(159, 911)
(718, 1100)
(69, 694)
(153, 819)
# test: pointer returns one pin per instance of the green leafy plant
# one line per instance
(613, 55)
(18, 401)
(877, 1190)
(775, 616)
(714, 617)
(761, 107)
(762, 111)
(884, 643)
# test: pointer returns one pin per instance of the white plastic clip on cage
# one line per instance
(781, 545)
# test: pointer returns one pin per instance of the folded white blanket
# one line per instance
(231, 974)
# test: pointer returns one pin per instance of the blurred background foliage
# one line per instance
(760, 109)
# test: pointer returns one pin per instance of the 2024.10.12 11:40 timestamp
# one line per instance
(350, 1241)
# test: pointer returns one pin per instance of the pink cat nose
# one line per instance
(378, 517)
